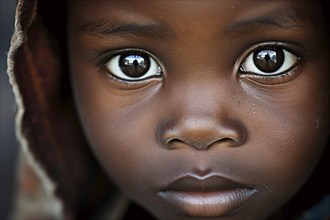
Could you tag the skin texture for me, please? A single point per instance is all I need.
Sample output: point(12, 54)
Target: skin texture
point(203, 116)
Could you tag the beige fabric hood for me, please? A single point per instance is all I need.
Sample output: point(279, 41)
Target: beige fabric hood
point(47, 128)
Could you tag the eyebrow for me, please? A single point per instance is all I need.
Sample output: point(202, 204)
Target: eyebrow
point(287, 18)
point(116, 27)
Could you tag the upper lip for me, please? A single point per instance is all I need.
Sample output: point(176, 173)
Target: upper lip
point(208, 183)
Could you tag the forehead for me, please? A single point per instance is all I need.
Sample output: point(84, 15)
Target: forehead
point(230, 10)
point(164, 18)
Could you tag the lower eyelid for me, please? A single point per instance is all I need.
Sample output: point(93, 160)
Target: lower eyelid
point(272, 80)
point(124, 84)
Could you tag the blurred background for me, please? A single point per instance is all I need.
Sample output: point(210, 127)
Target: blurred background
point(8, 145)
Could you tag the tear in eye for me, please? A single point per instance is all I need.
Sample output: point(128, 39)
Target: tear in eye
point(133, 66)
point(269, 61)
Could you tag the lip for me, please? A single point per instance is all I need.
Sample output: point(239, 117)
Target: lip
point(207, 196)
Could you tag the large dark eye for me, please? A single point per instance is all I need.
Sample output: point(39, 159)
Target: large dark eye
point(133, 66)
point(269, 61)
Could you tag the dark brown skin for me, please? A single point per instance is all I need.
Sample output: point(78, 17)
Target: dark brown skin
point(206, 113)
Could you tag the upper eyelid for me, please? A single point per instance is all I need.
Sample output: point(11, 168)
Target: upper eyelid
point(294, 48)
point(103, 58)
point(291, 47)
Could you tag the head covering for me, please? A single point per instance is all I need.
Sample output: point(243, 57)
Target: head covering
point(47, 127)
point(73, 185)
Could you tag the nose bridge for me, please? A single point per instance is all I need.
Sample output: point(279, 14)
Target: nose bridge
point(200, 119)
point(202, 95)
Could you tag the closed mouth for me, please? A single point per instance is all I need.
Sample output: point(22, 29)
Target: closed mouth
point(207, 197)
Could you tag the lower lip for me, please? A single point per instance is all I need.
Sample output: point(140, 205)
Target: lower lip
point(209, 204)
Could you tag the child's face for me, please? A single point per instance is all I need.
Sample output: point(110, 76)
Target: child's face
point(202, 108)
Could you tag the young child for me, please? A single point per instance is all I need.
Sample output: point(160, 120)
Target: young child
point(175, 110)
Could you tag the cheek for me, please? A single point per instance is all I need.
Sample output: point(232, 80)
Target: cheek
point(120, 130)
point(293, 149)
point(126, 145)
point(288, 134)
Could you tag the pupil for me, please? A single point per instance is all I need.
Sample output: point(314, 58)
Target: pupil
point(267, 57)
point(268, 60)
point(134, 64)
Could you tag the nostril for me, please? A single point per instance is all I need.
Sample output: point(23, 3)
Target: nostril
point(224, 140)
point(181, 142)
point(227, 142)
point(200, 134)
point(174, 143)
point(204, 144)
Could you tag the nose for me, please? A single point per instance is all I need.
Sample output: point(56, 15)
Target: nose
point(201, 133)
